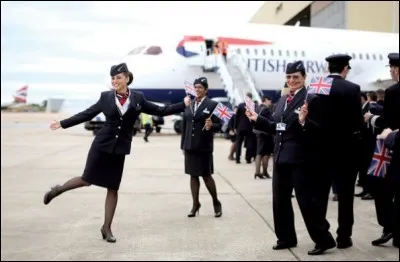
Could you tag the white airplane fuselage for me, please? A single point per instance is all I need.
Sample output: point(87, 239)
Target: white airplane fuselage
point(160, 69)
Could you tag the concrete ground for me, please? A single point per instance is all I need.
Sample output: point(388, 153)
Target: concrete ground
point(151, 220)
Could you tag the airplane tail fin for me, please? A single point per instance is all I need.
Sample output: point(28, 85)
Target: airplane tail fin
point(21, 95)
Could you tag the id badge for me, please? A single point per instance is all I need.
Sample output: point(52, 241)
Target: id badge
point(281, 126)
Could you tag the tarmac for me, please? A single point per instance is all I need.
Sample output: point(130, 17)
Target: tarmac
point(151, 220)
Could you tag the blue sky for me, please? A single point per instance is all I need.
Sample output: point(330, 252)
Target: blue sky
point(65, 49)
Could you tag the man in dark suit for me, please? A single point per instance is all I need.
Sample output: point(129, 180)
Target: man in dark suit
point(392, 142)
point(380, 96)
point(389, 119)
point(368, 137)
point(341, 124)
point(244, 132)
point(296, 154)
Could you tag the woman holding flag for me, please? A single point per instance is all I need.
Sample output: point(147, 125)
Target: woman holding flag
point(295, 123)
point(199, 125)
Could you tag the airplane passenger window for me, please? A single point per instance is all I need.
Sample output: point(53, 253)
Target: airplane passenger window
point(272, 52)
point(255, 51)
point(380, 57)
point(361, 56)
point(239, 51)
point(287, 53)
point(373, 56)
point(280, 52)
point(153, 50)
point(367, 56)
point(264, 52)
point(295, 53)
point(354, 56)
point(303, 54)
point(137, 50)
point(247, 51)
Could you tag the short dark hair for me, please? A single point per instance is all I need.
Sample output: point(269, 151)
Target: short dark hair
point(373, 96)
point(250, 95)
point(380, 92)
point(364, 95)
point(265, 97)
point(334, 68)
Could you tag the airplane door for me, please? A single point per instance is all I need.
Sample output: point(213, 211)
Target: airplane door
point(210, 59)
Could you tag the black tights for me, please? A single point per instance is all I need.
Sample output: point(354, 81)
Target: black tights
point(261, 160)
point(195, 188)
point(110, 204)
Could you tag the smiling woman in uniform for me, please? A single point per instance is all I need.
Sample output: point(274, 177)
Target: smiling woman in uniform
point(106, 157)
point(199, 126)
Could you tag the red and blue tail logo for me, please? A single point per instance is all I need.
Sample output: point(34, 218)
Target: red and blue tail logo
point(180, 49)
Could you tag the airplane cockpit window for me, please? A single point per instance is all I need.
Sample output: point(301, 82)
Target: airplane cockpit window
point(153, 50)
point(137, 50)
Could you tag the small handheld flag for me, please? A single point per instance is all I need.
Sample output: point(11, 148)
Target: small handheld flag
point(380, 160)
point(320, 85)
point(250, 105)
point(189, 89)
point(223, 112)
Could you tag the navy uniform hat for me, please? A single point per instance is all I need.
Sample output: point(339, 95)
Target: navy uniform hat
point(394, 59)
point(339, 59)
point(121, 68)
point(201, 80)
point(296, 66)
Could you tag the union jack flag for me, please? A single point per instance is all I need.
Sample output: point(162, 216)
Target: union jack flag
point(223, 112)
point(380, 160)
point(320, 85)
point(250, 105)
point(189, 89)
point(21, 95)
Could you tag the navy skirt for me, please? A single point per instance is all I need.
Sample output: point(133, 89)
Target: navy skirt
point(199, 164)
point(265, 145)
point(104, 169)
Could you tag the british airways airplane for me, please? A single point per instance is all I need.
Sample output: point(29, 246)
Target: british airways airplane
point(161, 68)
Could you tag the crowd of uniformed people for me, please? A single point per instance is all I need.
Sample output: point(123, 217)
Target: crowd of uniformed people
point(319, 142)
point(316, 141)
